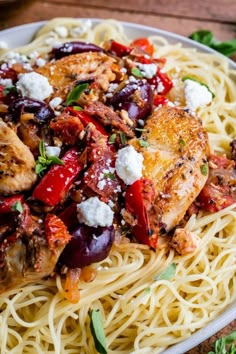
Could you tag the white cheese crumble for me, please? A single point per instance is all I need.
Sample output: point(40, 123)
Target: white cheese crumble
point(196, 95)
point(34, 86)
point(55, 102)
point(52, 150)
point(129, 164)
point(147, 70)
point(61, 31)
point(40, 62)
point(3, 45)
point(93, 212)
point(6, 82)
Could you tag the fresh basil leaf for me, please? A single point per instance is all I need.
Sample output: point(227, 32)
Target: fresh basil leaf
point(96, 327)
point(45, 161)
point(39, 169)
point(123, 138)
point(17, 206)
point(143, 143)
point(110, 175)
point(136, 72)
point(199, 82)
point(202, 36)
point(75, 94)
point(8, 89)
point(182, 142)
point(42, 150)
point(206, 37)
point(167, 273)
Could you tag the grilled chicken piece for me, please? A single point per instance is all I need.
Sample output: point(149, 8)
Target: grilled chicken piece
point(17, 163)
point(176, 161)
point(64, 73)
point(184, 241)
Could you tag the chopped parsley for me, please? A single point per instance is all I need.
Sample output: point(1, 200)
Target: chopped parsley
point(143, 143)
point(110, 175)
point(17, 206)
point(182, 142)
point(123, 138)
point(204, 169)
point(167, 274)
point(136, 72)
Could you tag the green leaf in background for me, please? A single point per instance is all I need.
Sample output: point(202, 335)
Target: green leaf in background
point(167, 274)
point(96, 327)
point(225, 345)
point(206, 37)
point(75, 94)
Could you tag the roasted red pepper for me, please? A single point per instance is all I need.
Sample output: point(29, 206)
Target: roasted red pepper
point(119, 49)
point(85, 119)
point(138, 199)
point(162, 82)
point(144, 44)
point(7, 204)
point(57, 181)
point(56, 232)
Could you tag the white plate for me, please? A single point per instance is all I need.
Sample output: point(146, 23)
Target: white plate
point(21, 35)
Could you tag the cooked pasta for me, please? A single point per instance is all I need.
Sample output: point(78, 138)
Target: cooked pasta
point(141, 313)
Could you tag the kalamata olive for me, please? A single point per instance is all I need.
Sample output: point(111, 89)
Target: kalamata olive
point(88, 245)
point(42, 111)
point(138, 107)
point(74, 47)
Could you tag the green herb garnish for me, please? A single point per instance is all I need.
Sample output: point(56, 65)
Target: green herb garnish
point(45, 161)
point(96, 327)
point(110, 175)
point(136, 72)
point(182, 142)
point(77, 108)
point(17, 206)
point(225, 345)
point(147, 290)
point(143, 143)
point(112, 139)
point(206, 37)
point(167, 273)
point(123, 138)
point(199, 82)
point(8, 89)
point(204, 169)
point(140, 129)
point(75, 94)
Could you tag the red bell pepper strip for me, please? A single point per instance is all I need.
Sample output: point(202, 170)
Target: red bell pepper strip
point(85, 119)
point(6, 204)
point(161, 78)
point(136, 202)
point(120, 49)
point(144, 44)
point(55, 184)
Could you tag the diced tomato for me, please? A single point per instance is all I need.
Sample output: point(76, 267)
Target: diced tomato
point(221, 161)
point(144, 44)
point(160, 100)
point(67, 128)
point(56, 232)
point(162, 82)
point(119, 49)
point(138, 201)
point(214, 198)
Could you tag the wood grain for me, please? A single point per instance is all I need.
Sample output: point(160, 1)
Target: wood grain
point(41, 10)
point(197, 9)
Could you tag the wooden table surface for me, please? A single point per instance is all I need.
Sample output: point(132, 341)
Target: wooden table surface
point(182, 17)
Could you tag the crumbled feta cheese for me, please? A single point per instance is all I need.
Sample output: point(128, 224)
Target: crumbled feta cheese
point(147, 70)
point(52, 151)
point(129, 164)
point(3, 45)
point(93, 212)
point(62, 31)
point(101, 184)
point(196, 95)
point(6, 82)
point(34, 85)
point(40, 62)
point(55, 102)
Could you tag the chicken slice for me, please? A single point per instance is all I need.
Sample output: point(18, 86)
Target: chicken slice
point(62, 74)
point(184, 241)
point(176, 161)
point(17, 163)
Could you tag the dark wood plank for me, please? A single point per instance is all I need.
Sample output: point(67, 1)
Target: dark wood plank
point(38, 10)
point(217, 10)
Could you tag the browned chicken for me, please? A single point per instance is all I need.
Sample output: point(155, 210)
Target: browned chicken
point(184, 241)
point(17, 163)
point(176, 161)
point(63, 73)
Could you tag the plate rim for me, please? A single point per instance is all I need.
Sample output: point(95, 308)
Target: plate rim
point(229, 313)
